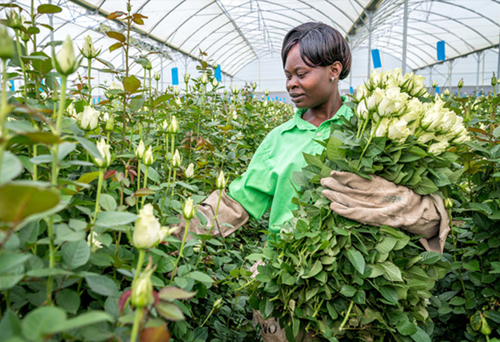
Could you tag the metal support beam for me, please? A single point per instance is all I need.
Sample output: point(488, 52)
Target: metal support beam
point(498, 63)
point(450, 67)
point(405, 35)
point(477, 73)
point(370, 16)
point(162, 77)
point(430, 75)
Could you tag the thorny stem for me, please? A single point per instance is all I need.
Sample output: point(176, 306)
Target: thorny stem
point(140, 261)
point(137, 323)
point(23, 67)
point(145, 185)
point(174, 271)
point(88, 80)
point(96, 210)
point(139, 174)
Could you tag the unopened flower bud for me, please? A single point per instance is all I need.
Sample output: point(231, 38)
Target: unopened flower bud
point(215, 83)
point(446, 92)
point(494, 80)
point(460, 83)
point(14, 19)
point(139, 151)
point(65, 60)
point(6, 44)
point(218, 303)
point(254, 85)
point(174, 125)
point(266, 92)
point(434, 84)
point(204, 79)
point(188, 211)
point(88, 50)
point(448, 203)
point(190, 171)
point(176, 90)
point(157, 76)
point(148, 157)
point(176, 160)
point(148, 65)
point(110, 124)
point(88, 120)
point(142, 289)
point(104, 151)
point(186, 77)
point(235, 90)
point(221, 181)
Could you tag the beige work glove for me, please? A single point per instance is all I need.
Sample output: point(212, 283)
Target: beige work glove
point(230, 216)
point(379, 202)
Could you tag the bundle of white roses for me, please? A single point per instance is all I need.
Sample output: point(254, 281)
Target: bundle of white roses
point(400, 133)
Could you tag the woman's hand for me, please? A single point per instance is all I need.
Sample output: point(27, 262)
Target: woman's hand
point(378, 202)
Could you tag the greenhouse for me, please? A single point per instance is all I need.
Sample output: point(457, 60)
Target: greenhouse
point(249, 170)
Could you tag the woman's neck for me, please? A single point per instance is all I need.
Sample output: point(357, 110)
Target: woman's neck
point(320, 114)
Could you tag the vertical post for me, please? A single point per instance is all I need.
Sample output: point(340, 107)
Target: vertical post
point(161, 74)
point(430, 74)
point(482, 71)
point(405, 35)
point(450, 69)
point(260, 77)
point(477, 74)
point(369, 15)
point(51, 23)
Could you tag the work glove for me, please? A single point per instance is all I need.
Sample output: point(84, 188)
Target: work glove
point(230, 216)
point(378, 202)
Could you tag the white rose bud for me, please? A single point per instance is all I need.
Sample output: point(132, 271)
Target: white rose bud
point(177, 160)
point(235, 89)
point(362, 110)
point(176, 90)
point(65, 60)
point(157, 76)
point(148, 231)
point(398, 131)
point(142, 289)
point(139, 151)
point(88, 119)
point(266, 92)
point(221, 181)
point(110, 124)
point(204, 79)
point(446, 92)
point(88, 50)
point(188, 210)
point(434, 84)
point(92, 241)
point(148, 158)
point(215, 83)
point(165, 125)
point(105, 153)
point(426, 137)
point(190, 171)
point(6, 44)
point(254, 85)
point(186, 77)
point(174, 125)
point(382, 127)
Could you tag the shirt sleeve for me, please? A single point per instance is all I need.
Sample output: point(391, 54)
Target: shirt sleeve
point(254, 190)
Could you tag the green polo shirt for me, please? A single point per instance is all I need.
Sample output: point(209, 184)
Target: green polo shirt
point(267, 180)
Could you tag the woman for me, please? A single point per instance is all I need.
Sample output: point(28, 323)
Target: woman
point(315, 57)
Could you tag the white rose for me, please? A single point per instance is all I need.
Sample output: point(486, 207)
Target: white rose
point(374, 99)
point(382, 128)
point(361, 92)
point(386, 106)
point(425, 137)
point(375, 78)
point(93, 242)
point(398, 130)
point(177, 160)
point(190, 171)
point(148, 158)
point(414, 110)
point(139, 151)
point(88, 119)
point(439, 147)
point(189, 210)
point(221, 181)
point(105, 153)
point(362, 110)
point(148, 231)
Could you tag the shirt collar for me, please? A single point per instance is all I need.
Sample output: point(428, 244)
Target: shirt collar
point(302, 124)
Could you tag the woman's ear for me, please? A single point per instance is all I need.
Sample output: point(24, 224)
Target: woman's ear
point(336, 69)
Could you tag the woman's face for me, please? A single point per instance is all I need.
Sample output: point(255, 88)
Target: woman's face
point(308, 87)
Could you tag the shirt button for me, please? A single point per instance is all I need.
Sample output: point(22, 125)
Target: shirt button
point(318, 134)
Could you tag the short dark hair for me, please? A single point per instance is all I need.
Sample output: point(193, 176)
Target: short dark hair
point(320, 45)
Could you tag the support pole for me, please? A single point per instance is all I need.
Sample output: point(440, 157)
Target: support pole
point(498, 63)
point(450, 69)
point(161, 75)
point(369, 15)
point(430, 74)
point(477, 74)
point(405, 35)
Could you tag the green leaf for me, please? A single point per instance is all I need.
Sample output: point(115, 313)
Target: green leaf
point(312, 160)
point(41, 321)
point(116, 35)
point(357, 260)
point(18, 201)
point(9, 281)
point(89, 146)
point(172, 292)
point(406, 328)
point(75, 254)
point(11, 167)
point(108, 202)
point(69, 300)
point(472, 265)
point(199, 276)
point(334, 150)
point(392, 272)
point(85, 319)
point(347, 290)
point(102, 285)
point(136, 103)
point(420, 336)
point(131, 84)
point(161, 99)
point(48, 8)
point(386, 245)
point(426, 187)
point(170, 311)
point(114, 218)
point(10, 261)
point(389, 293)
point(10, 325)
point(64, 149)
point(315, 269)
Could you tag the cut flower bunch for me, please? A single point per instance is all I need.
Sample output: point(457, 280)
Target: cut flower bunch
point(400, 133)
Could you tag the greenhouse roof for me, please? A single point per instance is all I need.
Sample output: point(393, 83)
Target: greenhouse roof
point(233, 33)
